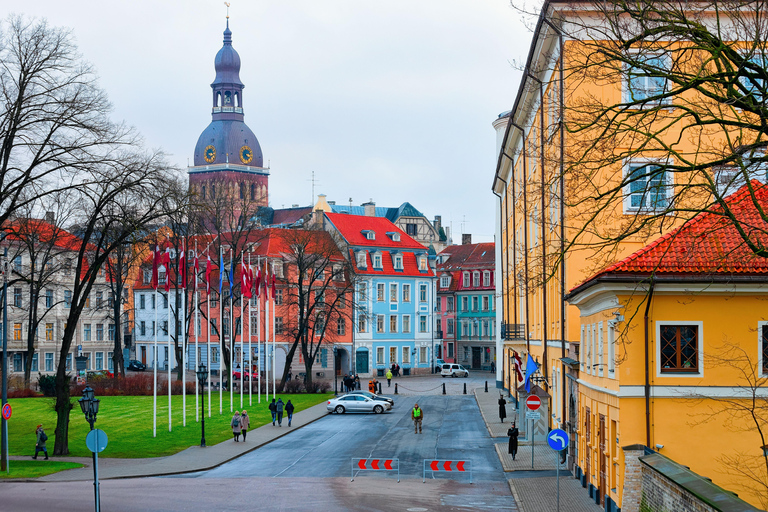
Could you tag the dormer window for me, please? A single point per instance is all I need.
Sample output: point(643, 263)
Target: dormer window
point(377, 260)
point(369, 235)
point(398, 261)
point(476, 279)
point(394, 236)
point(486, 278)
point(445, 281)
point(422, 263)
point(465, 279)
point(361, 262)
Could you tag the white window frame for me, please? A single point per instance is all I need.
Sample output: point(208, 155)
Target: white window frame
point(465, 279)
point(393, 297)
point(445, 281)
point(600, 350)
point(626, 94)
point(377, 260)
point(699, 348)
point(635, 163)
point(380, 325)
point(406, 355)
point(361, 259)
point(611, 350)
point(379, 355)
point(381, 291)
point(406, 324)
point(391, 317)
point(760, 326)
point(406, 292)
point(486, 278)
point(398, 262)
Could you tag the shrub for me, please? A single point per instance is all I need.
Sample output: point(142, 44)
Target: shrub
point(46, 384)
point(294, 386)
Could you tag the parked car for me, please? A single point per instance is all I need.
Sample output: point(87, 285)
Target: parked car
point(454, 370)
point(439, 365)
point(357, 403)
point(373, 396)
point(136, 366)
point(236, 375)
point(100, 374)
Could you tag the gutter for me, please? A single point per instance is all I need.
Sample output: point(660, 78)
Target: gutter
point(647, 378)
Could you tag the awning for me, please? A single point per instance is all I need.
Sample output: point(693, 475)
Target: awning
point(572, 363)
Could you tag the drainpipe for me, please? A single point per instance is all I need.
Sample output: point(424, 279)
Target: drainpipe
point(647, 379)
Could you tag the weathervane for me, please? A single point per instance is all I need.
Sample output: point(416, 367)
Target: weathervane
point(227, 4)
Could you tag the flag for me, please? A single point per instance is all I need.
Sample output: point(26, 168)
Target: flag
point(155, 264)
point(518, 367)
point(273, 286)
point(257, 285)
point(208, 275)
point(231, 272)
point(167, 264)
point(183, 268)
point(265, 280)
point(250, 279)
point(530, 368)
point(221, 270)
point(244, 288)
point(196, 268)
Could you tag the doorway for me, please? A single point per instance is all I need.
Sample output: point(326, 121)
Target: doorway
point(477, 354)
point(361, 361)
point(143, 354)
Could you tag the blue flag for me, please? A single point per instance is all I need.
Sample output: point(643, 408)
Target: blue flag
point(530, 368)
point(221, 271)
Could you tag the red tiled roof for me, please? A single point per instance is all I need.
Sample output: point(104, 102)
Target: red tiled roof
point(707, 244)
point(410, 265)
point(351, 228)
point(468, 256)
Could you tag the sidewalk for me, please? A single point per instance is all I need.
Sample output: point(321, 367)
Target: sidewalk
point(535, 490)
point(187, 461)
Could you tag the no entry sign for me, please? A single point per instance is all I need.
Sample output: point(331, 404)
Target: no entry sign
point(533, 402)
point(7, 411)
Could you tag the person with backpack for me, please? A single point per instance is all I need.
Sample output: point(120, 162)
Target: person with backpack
point(279, 409)
point(273, 411)
point(289, 411)
point(235, 424)
point(40, 444)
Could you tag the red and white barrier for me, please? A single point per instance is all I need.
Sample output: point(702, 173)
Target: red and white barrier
point(375, 465)
point(460, 466)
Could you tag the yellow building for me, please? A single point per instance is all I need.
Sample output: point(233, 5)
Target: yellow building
point(674, 349)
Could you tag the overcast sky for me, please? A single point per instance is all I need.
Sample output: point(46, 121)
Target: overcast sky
point(385, 100)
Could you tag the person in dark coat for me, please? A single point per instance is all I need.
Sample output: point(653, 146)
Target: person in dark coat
point(279, 409)
point(273, 410)
point(502, 408)
point(289, 411)
point(513, 433)
point(40, 438)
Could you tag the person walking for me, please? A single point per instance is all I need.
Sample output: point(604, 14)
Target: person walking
point(279, 409)
point(417, 415)
point(289, 411)
point(502, 408)
point(273, 410)
point(245, 423)
point(235, 424)
point(389, 378)
point(513, 433)
point(41, 438)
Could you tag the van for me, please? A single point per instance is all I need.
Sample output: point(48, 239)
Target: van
point(454, 370)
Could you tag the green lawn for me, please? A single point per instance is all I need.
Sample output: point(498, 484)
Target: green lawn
point(127, 421)
point(36, 468)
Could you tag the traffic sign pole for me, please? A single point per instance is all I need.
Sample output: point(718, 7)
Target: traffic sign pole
point(557, 440)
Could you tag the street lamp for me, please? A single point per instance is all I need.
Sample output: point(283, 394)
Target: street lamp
point(202, 373)
point(335, 376)
point(90, 407)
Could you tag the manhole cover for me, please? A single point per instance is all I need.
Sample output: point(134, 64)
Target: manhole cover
point(416, 509)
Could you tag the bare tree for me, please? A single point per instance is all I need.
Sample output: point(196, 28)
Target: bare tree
point(316, 293)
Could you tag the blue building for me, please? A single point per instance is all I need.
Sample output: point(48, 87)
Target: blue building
point(394, 298)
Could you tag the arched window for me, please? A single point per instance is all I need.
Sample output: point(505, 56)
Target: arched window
point(237, 99)
point(242, 191)
point(213, 191)
point(253, 191)
point(218, 99)
point(227, 98)
point(202, 191)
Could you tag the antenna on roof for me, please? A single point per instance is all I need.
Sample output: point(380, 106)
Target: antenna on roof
point(350, 202)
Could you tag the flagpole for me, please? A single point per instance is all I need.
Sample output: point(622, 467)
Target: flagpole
point(250, 351)
point(208, 322)
point(242, 326)
point(184, 336)
point(221, 331)
point(274, 353)
point(155, 263)
point(231, 337)
point(266, 327)
point(197, 347)
point(258, 323)
point(168, 332)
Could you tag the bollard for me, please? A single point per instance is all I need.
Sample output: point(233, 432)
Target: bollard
point(465, 388)
point(395, 387)
point(379, 387)
point(443, 387)
point(486, 386)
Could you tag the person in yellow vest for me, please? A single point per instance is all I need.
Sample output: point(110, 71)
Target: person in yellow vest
point(389, 378)
point(417, 415)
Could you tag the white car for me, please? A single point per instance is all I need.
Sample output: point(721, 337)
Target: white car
point(357, 403)
point(454, 370)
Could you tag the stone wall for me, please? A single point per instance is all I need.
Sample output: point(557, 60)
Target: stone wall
point(631, 493)
point(662, 495)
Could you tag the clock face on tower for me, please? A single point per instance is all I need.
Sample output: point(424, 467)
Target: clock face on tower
point(209, 154)
point(246, 154)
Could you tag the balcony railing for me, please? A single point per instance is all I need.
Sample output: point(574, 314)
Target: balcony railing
point(512, 331)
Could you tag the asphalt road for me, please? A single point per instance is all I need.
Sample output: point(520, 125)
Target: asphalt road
point(453, 430)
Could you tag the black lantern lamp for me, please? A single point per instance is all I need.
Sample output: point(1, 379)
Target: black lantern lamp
point(202, 373)
point(89, 405)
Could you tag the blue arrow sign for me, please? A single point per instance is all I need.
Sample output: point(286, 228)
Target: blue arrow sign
point(557, 439)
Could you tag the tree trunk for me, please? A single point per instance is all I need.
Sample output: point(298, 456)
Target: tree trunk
point(63, 406)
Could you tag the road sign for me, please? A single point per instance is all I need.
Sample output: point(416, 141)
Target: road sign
point(96, 440)
point(7, 411)
point(533, 402)
point(533, 415)
point(462, 466)
point(557, 439)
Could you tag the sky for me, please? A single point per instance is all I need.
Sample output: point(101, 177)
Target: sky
point(385, 101)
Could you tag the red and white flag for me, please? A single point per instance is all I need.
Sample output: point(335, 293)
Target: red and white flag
point(196, 268)
point(183, 267)
point(257, 284)
point(167, 264)
point(273, 285)
point(208, 274)
point(155, 263)
point(518, 367)
point(265, 280)
point(244, 288)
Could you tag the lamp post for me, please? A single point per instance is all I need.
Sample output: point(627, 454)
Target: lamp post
point(335, 377)
point(90, 407)
point(202, 373)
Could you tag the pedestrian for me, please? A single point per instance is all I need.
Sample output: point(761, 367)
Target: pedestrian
point(389, 378)
point(279, 409)
point(502, 408)
point(245, 423)
point(290, 376)
point(513, 433)
point(289, 411)
point(235, 424)
point(356, 383)
point(41, 438)
point(397, 370)
point(273, 410)
point(371, 386)
point(417, 415)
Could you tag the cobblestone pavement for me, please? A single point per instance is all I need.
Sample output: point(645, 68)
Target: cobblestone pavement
point(540, 494)
point(543, 458)
point(433, 384)
point(489, 408)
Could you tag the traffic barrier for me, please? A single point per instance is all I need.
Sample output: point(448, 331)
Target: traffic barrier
point(443, 387)
point(395, 387)
point(465, 388)
point(375, 465)
point(486, 386)
point(460, 466)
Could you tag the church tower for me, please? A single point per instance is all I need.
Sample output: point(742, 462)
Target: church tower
point(228, 175)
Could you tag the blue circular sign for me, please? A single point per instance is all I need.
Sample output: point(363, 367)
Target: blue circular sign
point(557, 439)
point(96, 440)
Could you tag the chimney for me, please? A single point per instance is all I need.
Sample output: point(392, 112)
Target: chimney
point(466, 238)
point(438, 222)
point(331, 203)
point(370, 209)
point(50, 218)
